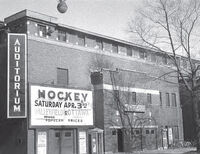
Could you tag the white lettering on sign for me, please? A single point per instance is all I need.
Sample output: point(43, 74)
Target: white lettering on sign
point(16, 76)
point(17, 106)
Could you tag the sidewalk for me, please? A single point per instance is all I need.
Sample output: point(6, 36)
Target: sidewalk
point(168, 151)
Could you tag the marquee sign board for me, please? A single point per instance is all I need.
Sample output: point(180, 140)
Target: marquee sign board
point(16, 76)
point(50, 106)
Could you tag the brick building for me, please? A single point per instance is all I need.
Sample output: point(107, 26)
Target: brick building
point(61, 58)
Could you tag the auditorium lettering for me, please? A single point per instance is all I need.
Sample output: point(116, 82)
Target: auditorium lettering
point(16, 76)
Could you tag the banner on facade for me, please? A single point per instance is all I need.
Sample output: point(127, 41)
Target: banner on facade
point(51, 106)
point(16, 76)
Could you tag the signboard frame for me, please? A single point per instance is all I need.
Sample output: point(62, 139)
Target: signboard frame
point(42, 125)
point(9, 35)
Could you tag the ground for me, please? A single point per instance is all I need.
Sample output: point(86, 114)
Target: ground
point(169, 151)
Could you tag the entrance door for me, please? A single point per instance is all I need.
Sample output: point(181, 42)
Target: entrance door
point(149, 138)
point(120, 140)
point(61, 141)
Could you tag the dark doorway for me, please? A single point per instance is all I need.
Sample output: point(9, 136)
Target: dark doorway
point(90, 143)
point(120, 140)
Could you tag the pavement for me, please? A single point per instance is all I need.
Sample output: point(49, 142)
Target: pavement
point(168, 151)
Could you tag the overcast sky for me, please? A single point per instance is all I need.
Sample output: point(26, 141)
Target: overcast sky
point(107, 17)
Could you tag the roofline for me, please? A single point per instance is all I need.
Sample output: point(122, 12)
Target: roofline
point(53, 20)
point(110, 38)
point(32, 14)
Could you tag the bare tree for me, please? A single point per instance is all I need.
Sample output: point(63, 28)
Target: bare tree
point(172, 27)
point(124, 113)
point(129, 119)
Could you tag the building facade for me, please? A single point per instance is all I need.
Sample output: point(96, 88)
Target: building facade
point(134, 103)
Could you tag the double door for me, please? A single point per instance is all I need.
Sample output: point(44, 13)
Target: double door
point(62, 141)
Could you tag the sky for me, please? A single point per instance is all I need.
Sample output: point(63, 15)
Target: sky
point(106, 17)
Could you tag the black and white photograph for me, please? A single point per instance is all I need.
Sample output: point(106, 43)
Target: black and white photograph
point(100, 77)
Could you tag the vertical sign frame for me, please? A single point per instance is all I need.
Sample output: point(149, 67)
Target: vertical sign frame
point(16, 75)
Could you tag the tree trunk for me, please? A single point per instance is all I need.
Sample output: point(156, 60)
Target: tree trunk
point(195, 102)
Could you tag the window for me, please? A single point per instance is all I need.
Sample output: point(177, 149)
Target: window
point(72, 38)
point(2, 37)
point(184, 63)
point(114, 132)
point(114, 48)
point(107, 46)
point(143, 54)
point(134, 98)
point(178, 61)
point(61, 35)
point(57, 134)
point(147, 131)
point(167, 99)
point(153, 57)
point(90, 42)
point(68, 134)
point(116, 95)
point(81, 40)
point(122, 49)
point(152, 131)
point(62, 76)
point(149, 101)
point(42, 30)
point(129, 51)
point(160, 98)
point(135, 53)
point(99, 44)
point(134, 132)
point(174, 99)
point(164, 59)
point(170, 61)
point(137, 131)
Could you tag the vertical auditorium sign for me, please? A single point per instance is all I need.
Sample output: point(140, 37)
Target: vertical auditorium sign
point(16, 82)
